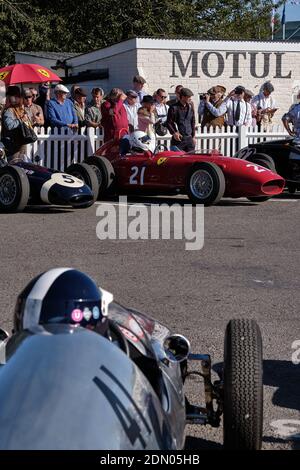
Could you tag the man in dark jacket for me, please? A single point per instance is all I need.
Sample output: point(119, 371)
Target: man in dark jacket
point(181, 122)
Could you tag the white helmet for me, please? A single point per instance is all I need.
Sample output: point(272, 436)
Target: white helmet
point(141, 140)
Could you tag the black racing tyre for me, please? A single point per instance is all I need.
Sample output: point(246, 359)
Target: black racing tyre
point(205, 183)
point(85, 173)
point(243, 386)
point(102, 174)
point(14, 189)
point(262, 160)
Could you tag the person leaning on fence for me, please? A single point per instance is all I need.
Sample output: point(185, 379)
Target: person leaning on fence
point(93, 114)
point(12, 116)
point(181, 122)
point(215, 97)
point(80, 95)
point(60, 110)
point(34, 111)
point(114, 116)
point(293, 117)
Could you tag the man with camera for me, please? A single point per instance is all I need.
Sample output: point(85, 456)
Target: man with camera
point(215, 96)
point(238, 112)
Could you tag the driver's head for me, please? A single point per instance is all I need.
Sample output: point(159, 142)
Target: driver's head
point(141, 141)
point(62, 296)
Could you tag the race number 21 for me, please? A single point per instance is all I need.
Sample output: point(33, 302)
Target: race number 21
point(137, 175)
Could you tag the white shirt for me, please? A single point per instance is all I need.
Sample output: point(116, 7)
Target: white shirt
point(229, 106)
point(162, 111)
point(132, 115)
point(264, 102)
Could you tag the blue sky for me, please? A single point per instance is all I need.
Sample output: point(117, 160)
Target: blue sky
point(292, 12)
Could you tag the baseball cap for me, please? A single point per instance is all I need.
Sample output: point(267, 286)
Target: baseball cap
point(61, 88)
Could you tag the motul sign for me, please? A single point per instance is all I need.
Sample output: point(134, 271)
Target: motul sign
point(212, 64)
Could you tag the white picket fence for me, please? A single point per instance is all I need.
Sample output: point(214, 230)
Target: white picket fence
point(59, 148)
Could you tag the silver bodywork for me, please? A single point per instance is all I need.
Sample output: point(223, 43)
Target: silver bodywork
point(69, 388)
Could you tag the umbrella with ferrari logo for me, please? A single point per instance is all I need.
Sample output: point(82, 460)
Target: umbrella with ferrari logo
point(27, 73)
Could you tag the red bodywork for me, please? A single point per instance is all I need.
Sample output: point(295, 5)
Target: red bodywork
point(167, 172)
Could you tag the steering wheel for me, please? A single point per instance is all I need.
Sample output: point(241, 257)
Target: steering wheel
point(158, 147)
point(117, 335)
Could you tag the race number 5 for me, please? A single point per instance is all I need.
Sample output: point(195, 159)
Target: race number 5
point(135, 175)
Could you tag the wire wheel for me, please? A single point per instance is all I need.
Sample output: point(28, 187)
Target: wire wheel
point(8, 189)
point(201, 184)
point(205, 183)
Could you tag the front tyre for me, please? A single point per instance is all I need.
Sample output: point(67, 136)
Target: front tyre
point(85, 173)
point(14, 189)
point(205, 183)
point(243, 386)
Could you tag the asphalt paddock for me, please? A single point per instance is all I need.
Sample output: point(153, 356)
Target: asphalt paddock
point(248, 267)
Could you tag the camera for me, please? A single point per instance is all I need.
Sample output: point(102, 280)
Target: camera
point(202, 96)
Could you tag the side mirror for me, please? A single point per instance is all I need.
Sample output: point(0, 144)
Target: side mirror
point(177, 348)
point(3, 335)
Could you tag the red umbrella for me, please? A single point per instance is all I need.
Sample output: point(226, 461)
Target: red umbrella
point(27, 73)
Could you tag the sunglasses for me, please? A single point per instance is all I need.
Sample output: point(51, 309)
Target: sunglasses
point(163, 97)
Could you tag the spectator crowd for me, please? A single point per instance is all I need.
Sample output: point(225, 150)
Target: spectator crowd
point(121, 113)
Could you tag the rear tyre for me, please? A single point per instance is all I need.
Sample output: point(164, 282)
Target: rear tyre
point(103, 175)
point(260, 159)
point(85, 173)
point(205, 183)
point(243, 386)
point(14, 189)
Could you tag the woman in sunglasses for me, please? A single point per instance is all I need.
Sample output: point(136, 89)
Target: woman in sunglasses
point(33, 111)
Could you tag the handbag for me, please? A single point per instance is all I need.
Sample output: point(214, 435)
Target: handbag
point(160, 129)
point(26, 134)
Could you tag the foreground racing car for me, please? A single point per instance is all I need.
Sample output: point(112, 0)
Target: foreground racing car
point(88, 373)
point(23, 184)
point(205, 178)
point(282, 156)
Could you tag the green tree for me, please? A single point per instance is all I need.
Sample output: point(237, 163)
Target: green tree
point(84, 25)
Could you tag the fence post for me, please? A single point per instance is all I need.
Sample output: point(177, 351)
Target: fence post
point(242, 139)
point(90, 140)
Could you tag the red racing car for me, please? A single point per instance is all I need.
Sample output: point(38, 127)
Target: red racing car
point(204, 177)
